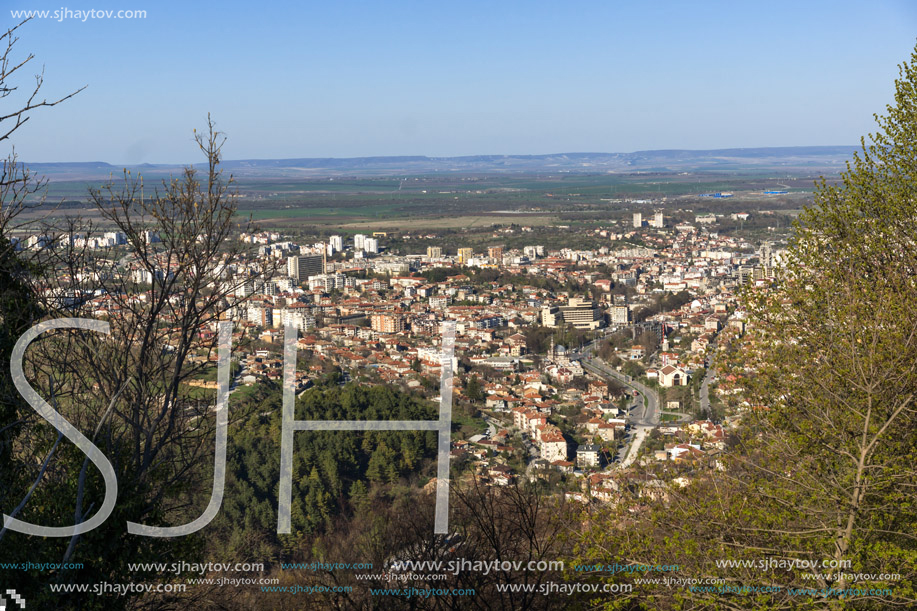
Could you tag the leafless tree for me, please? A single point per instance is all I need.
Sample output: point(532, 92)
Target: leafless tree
point(163, 266)
point(181, 271)
point(17, 183)
point(519, 523)
point(20, 189)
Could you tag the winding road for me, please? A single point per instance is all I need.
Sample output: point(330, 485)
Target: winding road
point(650, 412)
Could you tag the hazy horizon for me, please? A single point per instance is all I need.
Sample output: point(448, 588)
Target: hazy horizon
point(435, 157)
point(319, 80)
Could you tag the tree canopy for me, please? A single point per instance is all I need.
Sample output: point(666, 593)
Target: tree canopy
point(823, 468)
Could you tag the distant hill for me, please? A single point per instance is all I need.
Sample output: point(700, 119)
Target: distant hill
point(824, 158)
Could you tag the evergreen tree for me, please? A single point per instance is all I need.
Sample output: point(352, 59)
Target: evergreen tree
point(473, 390)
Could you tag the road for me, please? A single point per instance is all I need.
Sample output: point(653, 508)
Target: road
point(705, 389)
point(705, 395)
point(649, 411)
point(234, 382)
point(491, 427)
point(491, 431)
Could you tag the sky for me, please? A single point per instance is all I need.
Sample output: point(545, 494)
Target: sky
point(441, 78)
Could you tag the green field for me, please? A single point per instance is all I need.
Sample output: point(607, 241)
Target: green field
point(481, 201)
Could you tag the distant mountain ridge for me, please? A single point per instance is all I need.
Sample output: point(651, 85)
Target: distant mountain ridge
point(669, 160)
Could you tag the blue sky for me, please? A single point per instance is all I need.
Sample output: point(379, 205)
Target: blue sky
point(347, 78)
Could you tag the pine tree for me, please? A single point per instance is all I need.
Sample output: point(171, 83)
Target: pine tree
point(473, 390)
point(359, 495)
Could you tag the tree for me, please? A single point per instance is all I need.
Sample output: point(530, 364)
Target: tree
point(473, 390)
point(19, 188)
point(649, 341)
point(180, 273)
point(823, 468)
point(512, 526)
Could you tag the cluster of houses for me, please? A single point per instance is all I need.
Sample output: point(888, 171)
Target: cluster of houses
point(381, 316)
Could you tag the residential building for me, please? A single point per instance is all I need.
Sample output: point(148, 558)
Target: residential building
point(299, 318)
point(553, 444)
point(387, 323)
point(620, 314)
point(588, 457)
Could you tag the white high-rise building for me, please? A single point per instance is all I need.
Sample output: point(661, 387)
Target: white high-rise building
point(658, 220)
point(337, 243)
point(260, 315)
point(39, 241)
point(358, 242)
point(326, 282)
point(298, 318)
point(533, 252)
point(620, 314)
point(115, 238)
point(371, 245)
point(638, 220)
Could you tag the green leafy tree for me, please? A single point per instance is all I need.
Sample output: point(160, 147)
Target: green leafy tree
point(824, 465)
